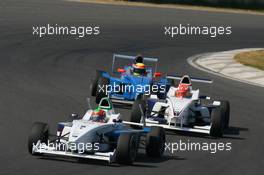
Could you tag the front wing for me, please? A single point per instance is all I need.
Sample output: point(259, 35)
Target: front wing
point(196, 129)
point(106, 156)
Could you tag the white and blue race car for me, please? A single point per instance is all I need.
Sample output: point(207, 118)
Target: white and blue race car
point(100, 134)
point(182, 110)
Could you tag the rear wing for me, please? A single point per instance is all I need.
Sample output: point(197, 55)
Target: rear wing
point(193, 79)
point(132, 58)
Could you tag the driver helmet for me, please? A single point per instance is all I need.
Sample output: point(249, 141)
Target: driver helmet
point(139, 69)
point(99, 116)
point(183, 90)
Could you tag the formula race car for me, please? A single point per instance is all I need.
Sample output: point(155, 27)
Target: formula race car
point(99, 134)
point(183, 110)
point(136, 77)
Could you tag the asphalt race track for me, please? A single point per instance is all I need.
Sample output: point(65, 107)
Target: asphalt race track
point(46, 79)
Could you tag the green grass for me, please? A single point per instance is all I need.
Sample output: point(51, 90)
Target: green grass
point(253, 59)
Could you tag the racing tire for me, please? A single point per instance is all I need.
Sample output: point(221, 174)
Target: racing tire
point(161, 95)
point(155, 142)
point(39, 131)
point(126, 150)
point(225, 108)
point(217, 122)
point(135, 115)
point(95, 83)
point(102, 82)
point(139, 97)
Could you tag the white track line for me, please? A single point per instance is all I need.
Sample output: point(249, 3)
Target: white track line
point(224, 65)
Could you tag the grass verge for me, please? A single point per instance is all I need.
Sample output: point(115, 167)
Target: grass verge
point(174, 6)
point(252, 58)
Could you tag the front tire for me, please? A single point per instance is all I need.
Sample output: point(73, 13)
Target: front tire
point(225, 108)
point(135, 115)
point(39, 131)
point(127, 147)
point(155, 142)
point(217, 122)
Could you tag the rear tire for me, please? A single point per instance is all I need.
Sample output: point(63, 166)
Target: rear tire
point(225, 108)
point(161, 96)
point(127, 147)
point(135, 115)
point(39, 131)
point(155, 142)
point(102, 82)
point(217, 122)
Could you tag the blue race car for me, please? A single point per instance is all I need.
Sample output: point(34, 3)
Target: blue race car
point(133, 76)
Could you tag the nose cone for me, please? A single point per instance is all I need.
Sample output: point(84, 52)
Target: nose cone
point(83, 131)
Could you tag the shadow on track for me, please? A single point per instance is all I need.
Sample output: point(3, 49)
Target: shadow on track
point(141, 161)
point(144, 158)
point(229, 133)
point(232, 130)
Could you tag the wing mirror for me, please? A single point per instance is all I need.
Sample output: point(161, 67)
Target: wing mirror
point(121, 70)
point(117, 120)
point(157, 74)
point(74, 116)
point(204, 97)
